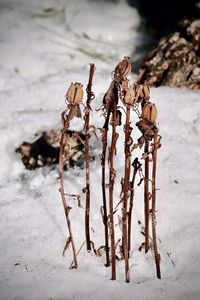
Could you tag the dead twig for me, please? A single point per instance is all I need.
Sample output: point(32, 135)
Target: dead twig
point(90, 97)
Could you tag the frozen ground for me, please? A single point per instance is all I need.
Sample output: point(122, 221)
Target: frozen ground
point(44, 46)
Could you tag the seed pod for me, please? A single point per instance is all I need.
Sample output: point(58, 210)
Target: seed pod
point(146, 91)
point(124, 67)
point(138, 92)
point(74, 94)
point(149, 112)
point(130, 96)
point(143, 126)
point(123, 87)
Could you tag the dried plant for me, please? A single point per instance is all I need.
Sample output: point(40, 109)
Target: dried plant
point(150, 132)
point(128, 97)
point(104, 137)
point(136, 166)
point(90, 97)
point(112, 175)
point(149, 113)
point(156, 145)
point(135, 97)
point(74, 96)
point(110, 109)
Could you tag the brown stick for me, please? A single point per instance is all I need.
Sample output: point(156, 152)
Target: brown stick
point(146, 196)
point(112, 175)
point(90, 96)
point(62, 191)
point(127, 166)
point(157, 255)
point(103, 183)
point(136, 166)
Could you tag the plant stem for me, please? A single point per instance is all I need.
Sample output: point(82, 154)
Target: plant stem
point(90, 96)
point(126, 192)
point(112, 175)
point(157, 255)
point(136, 166)
point(103, 161)
point(146, 195)
point(62, 191)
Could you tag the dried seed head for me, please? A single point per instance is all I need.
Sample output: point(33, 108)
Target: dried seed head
point(139, 92)
point(146, 91)
point(130, 96)
point(145, 126)
point(123, 87)
point(149, 112)
point(74, 94)
point(124, 67)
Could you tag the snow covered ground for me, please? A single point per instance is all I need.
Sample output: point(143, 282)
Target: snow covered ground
point(44, 46)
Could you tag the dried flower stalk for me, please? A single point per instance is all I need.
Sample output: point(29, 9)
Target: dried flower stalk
point(90, 97)
point(146, 194)
point(112, 175)
point(74, 97)
point(149, 113)
point(154, 154)
point(127, 166)
point(136, 166)
point(103, 183)
point(62, 191)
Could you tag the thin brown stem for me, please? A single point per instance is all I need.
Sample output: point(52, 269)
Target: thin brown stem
point(157, 255)
point(112, 176)
point(127, 166)
point(103, 161)
point(62, 191)
point(90, 96)
point(146, 195)
point(136, 166)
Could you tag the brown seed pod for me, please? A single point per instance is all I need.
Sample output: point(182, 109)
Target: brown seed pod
point(149, 112)
point(124, 67)
point(138, 92)
point(123, 87)
point(74, 94)
point(130, 96)
point(146, 91)
point(145, 126)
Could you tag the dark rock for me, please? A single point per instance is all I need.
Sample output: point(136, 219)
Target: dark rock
point(45, 150)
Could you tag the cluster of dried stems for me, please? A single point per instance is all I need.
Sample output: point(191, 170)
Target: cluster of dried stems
point(135, 98)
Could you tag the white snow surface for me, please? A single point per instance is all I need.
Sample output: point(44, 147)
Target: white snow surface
point(45, 45)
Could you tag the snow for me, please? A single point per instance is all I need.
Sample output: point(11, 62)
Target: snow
point(44, 47)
